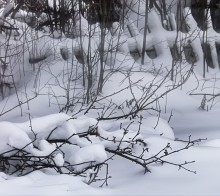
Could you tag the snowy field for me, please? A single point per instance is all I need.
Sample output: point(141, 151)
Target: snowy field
point(46, 119)
point(128, 178)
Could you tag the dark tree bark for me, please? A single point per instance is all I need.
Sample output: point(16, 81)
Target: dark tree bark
point(109, 10)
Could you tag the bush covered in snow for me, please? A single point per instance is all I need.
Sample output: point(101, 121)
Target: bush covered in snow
point(80, 146)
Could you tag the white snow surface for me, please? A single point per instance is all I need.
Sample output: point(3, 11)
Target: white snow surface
point(182, 110)
point(59, 160)
point(159, 126)
point(93, 153)
point(13, 137)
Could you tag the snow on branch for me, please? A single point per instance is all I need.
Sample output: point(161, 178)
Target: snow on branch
point(81, 147)
point(163, 40)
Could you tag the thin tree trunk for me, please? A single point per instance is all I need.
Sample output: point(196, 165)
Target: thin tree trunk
point(145, 34)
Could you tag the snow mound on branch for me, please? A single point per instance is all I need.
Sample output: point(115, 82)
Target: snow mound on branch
point(45, 148)
point(84, 123)
point(59, 160)
point(45, 129)
point(69, 150)
point(13, 137)
point(158, 126)
point(54, 126)
point(44, 123)
point(92, 153)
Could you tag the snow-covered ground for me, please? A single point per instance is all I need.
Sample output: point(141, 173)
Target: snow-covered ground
point(128, 178)
point(23, 113)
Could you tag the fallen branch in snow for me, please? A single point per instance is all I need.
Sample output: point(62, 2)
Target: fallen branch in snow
point(206, 94)
point(158, 157)
point(78, 147)
point(196, 141)
point(207, 97)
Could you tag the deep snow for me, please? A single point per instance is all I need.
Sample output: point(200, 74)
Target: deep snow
point(126, 177)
